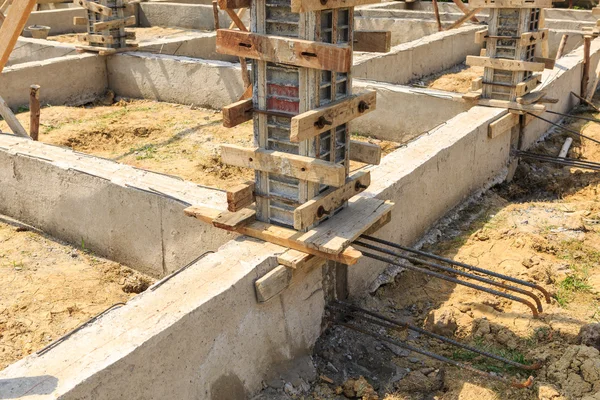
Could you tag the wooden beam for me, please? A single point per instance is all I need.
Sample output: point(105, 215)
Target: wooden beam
point(512, 105)
point(302, 53)
point(463, 19)
point(548, 62)
point(477, 84)
point(273, 283)
point(502, 125)
point(215, 8)
point(365, 152)
point(234, 4)
point(240, 15)
point(95, 7)
point(561, 46)
point(314, 122)
point(531, 97)
point(327, 202)
point(373, 41)
point(504, 64)
point(301, 167)
point(231, 221)
point(80, 21)
point(465, 9)
point(587, 41)
point(480, 36)
point(114, 24)
point(240, 196)
point(436, 11)
point(34, 111)
point(88, 37)
point(236, 20)
point(12, 27)
point(294, 259)
point(528, 85)
point(279, 235)
point(11, 120)
point(529, 38)
point(511, 3)
point(237, 113)
point(300, 6)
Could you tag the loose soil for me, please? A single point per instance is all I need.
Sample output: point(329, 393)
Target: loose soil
point(50, 288)
point(141, 34)
point(542, 227)
point(170, 138)
point(457, 79)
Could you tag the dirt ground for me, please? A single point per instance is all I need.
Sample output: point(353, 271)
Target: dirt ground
point(170, 138)
point(542, 227)
point(457, 79)
point(49, 288)
point(141, 34)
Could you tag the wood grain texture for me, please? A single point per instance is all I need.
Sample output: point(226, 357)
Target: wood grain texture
point(365, 152)
point(234, 4)
point(240, 196)
point(502, 125)
point(302, 53)
point(504, 64)
point(373, 41)
point(273, 283)
point(12, 27)
point(237, 113)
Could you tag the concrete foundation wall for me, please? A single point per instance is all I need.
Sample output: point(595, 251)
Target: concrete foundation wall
point(179, 15)
point(403, 30)
point(27, 50)
point(194, 44)
point(201, 335)
point(408, 61)
point(211, 84)
point(400, 115)
point(80, 198)
point(61, 21)
point(73, 80)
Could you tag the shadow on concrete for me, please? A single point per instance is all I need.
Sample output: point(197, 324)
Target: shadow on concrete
point(16, 388)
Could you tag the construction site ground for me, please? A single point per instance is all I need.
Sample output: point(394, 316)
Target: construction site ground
point(50, 288)
point(174, 139)
point(542, 227)
point(456, 79)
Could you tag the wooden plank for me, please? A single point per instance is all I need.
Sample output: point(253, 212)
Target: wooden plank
point(234, 4)
point(511, 3)
point(95, 7)
point(87, 37)
point(373, 41)
point(237, 113)
point(114, 24)
point(529, 38)
point(314, 122)
point(279, 235)
point(302, 53)
point(300, 6)
point(477, 84)
point(11, 120)
point(365, 152)
point(236, 20)
point(512, 105)
point(504, 64)
point(301, 167)
point(480, 36)
point(12, 27)
point(240, 196)
point(294, 259)
point(463, 19)
point(474, 95)
point(532, 97)
point(80, 21)
point(465, 9)
point(324, 204)
point(231, 221)
point(548, 62)
point(502, 125)
point(273, 283)
point(527, 86)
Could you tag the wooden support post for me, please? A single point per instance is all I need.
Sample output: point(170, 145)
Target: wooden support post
point(587, 40)
point(437, 15)
point(12, 27)
point(463, 19)
point(216, 14)
point(12, 121)
point(240, 15)
point(465, 9)
point(34, 111)
point(561, 47)
point(236, 20)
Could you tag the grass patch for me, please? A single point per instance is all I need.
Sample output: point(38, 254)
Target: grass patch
point(488, 364)
point(144, 152)
point(568, 287)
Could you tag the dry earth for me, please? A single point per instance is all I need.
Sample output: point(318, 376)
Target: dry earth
point(49, 288)
point(169, 138)
point(457, 79)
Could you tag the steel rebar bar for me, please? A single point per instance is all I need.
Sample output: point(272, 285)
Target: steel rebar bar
point(573, 116)
point(562, 161)
point(563, 128)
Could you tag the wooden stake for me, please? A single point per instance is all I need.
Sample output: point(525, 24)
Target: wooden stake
point(561, 47)
point(34, 111)
point(587, 40)
point(11, 120)
point(216, 14)
point(437, 15)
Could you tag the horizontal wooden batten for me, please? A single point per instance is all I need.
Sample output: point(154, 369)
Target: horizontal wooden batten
point(510, 3)
point(513, 105)
point(234, 4)
point(372, 41)
point(481, 36)
point(327, 202)
point(114, 24)
point(502, 125)
point(301, 53)
point(237, 113)
point(365, 152)
point(527, 86)
point(80, 21)
point(314, 122)
point(95, 7)
point(85, 37)
point(240, 196)
point(300, 167)
point(316, 5)
point(530, 38)
point(504, 64)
